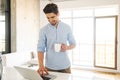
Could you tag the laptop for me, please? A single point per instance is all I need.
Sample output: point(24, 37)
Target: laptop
point(32, 74)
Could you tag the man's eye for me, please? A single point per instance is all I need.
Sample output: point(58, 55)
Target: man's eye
point(53, 17)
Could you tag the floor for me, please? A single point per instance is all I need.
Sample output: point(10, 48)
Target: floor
point(92, 75)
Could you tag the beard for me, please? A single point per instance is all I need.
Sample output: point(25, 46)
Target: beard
point(53, 23)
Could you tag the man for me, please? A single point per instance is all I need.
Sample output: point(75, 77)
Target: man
point(53, 33)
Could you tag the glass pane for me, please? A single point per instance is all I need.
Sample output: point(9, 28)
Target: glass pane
point(2, 18)
point(83, 13)
point(85, 50)
point(2, 33)
point(83, 31)
point(65, 14)
point(2, 36)
point(5, 27)
point(76, 55)
point(67, 21)
point(106, 11)
point(105, 42)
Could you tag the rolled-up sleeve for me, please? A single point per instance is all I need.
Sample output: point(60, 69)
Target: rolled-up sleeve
point(41, 46)
point(71, 38)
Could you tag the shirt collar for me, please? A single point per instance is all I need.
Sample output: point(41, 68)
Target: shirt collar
point(54, 26)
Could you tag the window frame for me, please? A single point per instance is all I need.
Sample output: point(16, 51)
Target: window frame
point(115, 46)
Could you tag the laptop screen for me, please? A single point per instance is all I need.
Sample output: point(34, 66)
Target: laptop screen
point(32, 74)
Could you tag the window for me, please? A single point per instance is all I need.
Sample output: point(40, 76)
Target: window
point(2, 33)
point(105, 41)
point(5, 26)
point(83, 32)
point(88, 33)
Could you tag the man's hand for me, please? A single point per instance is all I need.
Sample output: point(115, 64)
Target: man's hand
point(42, 71)
point(64, 47)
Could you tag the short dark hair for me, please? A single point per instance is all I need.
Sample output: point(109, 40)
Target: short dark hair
point(51, 8)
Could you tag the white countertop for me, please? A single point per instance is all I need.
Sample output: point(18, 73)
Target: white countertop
point(10, 73)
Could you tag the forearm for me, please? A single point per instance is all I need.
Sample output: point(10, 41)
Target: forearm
point(70, 47)
point(41, 70)
point(41, 58)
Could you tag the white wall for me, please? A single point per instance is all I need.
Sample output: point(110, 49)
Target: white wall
point(86, 3)
point(25, 23)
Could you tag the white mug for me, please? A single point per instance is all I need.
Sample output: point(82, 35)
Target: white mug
point(57, 47)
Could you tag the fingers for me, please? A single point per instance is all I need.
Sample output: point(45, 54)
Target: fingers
point(42, 72)
point(63, 47)
point(46, 71)
point(39, 71)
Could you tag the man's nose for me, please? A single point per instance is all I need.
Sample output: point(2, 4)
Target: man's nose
point(50, 20)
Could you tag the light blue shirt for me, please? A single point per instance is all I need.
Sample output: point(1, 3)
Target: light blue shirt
point(49, 35)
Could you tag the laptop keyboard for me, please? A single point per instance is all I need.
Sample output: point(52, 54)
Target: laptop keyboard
point(46, 78)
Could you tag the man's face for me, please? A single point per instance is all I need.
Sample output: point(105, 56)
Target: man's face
point(52, 18)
